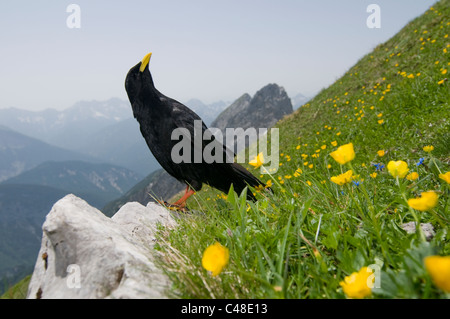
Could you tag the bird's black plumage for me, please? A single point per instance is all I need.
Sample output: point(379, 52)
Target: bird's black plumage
point(158, 116)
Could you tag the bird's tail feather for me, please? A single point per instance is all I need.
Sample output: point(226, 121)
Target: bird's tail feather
point(248, 178)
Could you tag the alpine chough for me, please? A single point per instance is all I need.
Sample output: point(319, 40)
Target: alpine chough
point(158, 116)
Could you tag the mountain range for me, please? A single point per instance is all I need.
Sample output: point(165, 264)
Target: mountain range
point(102, 131)
point(19, 153)
point(97, 183)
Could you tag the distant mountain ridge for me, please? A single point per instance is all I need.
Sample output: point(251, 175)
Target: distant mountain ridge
point(207, 112)
point(269, 105)
point(67, 128)
point(99, 183)
point(266, 107)
point(105, 130)
point(19, 153)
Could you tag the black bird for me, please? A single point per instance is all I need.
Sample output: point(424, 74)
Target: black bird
point(158, 116)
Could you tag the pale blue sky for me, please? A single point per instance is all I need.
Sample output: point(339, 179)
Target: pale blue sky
point(210, 50)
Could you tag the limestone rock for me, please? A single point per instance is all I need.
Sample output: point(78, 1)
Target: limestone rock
point(85, 254)
point(427, 229)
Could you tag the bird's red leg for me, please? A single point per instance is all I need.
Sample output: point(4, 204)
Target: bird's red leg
point(182, 201)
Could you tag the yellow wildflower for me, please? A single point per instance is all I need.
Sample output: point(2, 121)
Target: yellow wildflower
point(269, 183)
point(215, 258)
point(398, 168)
point(439, 269)
point(441, 82)
point(428, 148)
point(445, 177)
point(425, 202)
point(358, 284)
point(344, 154)
point(412, 177)
point(257, 161)
point(380, 121)
point(373, 175)
point(343, 178)
point(334, 143)
point(381, 153)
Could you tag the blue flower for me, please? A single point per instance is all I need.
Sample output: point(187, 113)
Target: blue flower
point(421, 160)
point(356, 183)
point(379, 166)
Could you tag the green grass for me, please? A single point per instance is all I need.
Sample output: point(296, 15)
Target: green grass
point(18, 291)
point(303, 240)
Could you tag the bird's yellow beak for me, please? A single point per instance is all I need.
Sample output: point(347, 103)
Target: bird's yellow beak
point(145, 62)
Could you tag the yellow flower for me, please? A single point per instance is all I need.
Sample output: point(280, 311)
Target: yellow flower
point(342, 178)
point(380, 121)
point(269, 183)
point(334, 143)
point(358, 284)
point(398, 168)
point(373, 175)
point(445, 177)
point(215, 258)
point(439, 269)
point(344, 154)
point(323, 147)
point(309, 183)
point(311, 165)
point(441, 82)
point(428, 148)
point(257, 161)
point(425, 202)
point(381, 153)
point(258, 188)
point(412, 177)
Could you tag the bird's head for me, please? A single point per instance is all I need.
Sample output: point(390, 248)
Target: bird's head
point(139, 82)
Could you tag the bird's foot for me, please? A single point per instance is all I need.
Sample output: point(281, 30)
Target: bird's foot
point(174, 207)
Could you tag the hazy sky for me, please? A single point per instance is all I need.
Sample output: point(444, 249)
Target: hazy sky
point(210, 50)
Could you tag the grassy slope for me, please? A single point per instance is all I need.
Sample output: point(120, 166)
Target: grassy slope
point(302, 241)
point(18, 291)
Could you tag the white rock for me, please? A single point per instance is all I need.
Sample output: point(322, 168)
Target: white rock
point(85, 254)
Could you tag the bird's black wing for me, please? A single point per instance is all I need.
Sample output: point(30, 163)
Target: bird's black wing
point(184, 117)
point(219, 174)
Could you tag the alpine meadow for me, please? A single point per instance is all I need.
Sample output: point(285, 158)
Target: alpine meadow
point(361, 164)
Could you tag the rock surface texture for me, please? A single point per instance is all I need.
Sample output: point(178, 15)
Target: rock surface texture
point(85, 254)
